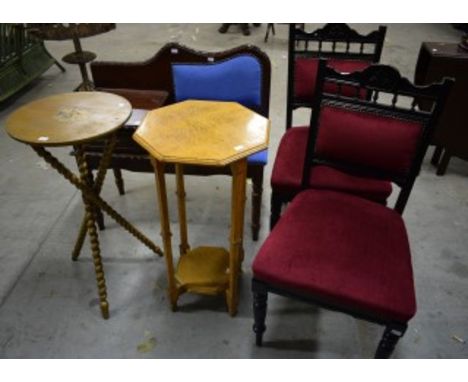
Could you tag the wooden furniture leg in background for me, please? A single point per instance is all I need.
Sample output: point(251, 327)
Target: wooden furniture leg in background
point(444, 162)
point(270, 26)
point(119, 182)
point(244, 28)
point(438, 150)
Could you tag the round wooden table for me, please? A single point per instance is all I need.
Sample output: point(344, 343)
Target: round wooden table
point(211, 134)
point(74, 119)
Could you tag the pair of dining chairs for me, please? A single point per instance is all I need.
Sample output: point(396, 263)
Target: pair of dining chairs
point(336, 247)
point(347, 51)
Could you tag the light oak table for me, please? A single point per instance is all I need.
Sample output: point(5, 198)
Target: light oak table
point(75, 119)
point(212, 134)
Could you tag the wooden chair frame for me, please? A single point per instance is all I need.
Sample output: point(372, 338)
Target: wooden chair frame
point(313, 45)
point(156, 74)
point(376, 79)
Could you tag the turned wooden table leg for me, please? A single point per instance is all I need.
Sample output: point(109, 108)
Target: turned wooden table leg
point(92, 231)
point(165, 230)
point(90, 199)
point(239, 176)
point(184, 245)
point(101, 175)
point(97, 211)
point(80, 239)
point(95, 199)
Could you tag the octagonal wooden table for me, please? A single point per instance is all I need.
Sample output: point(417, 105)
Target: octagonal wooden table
point(211, 134)
point(74, 119)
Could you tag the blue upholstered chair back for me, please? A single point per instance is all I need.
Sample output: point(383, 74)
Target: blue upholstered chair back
point(237, 79)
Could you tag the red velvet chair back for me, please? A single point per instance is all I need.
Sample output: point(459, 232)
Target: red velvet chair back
point(384, 136)
point(345, 49)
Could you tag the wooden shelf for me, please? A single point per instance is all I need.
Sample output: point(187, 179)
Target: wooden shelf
point(203, 270)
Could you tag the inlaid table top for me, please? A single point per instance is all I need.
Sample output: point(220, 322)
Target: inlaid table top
point(68, 118)
point(203, 132)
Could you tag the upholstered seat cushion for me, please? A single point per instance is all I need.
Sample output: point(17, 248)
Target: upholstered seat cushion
point(342, 250)
point(287, 172)
point(305, 76)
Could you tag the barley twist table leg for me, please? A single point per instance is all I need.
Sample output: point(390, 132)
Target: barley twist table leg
point(95, 250)
point(95, 199)
point(80, 239)
point(97, 211)
point(102, 170)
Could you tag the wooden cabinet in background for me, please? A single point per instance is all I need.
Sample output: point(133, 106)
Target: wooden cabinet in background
point(435, 61)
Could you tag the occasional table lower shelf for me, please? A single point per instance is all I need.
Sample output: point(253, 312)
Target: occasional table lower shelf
point(203, 270)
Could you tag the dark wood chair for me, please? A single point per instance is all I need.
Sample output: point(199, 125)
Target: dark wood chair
point(347, 51)
point(337, 250)
point(148, 85)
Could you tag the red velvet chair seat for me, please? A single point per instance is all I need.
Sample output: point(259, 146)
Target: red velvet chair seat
point(344, 250)
point(287, 172)
point(305, 76)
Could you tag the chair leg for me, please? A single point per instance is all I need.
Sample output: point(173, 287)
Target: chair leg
point(389, 340)
point(289, 116)
point(271, 27)
point(257, 190)
point(245, 29)
point(443, 164)
point(275, 209)
point(436, 155)
point(260, 308)
point(119, 182)
point(267, 33)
